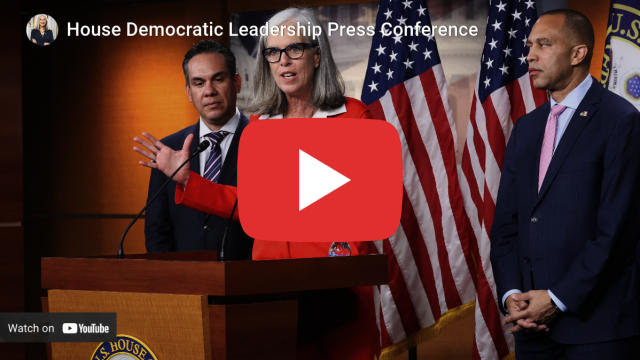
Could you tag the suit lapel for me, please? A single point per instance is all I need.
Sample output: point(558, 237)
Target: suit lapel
point(194, 164)
point(570, 135)
point(230, 166)
point(534, 157)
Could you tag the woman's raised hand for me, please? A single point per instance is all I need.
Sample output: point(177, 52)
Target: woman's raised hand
point(164, 158)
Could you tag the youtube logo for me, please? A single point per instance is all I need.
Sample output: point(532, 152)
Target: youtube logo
point(69, 328)
point(320, 180)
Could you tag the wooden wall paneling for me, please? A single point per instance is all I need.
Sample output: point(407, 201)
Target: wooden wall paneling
point(11, 269)
point(173, 326)
point(53, 237)
point(11, 283)
point(598, 14)
point(11, 201)
point(11, 181)
point(107, 90)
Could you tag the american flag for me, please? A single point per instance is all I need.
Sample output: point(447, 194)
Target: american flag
point(503, 93)
point(430, 265)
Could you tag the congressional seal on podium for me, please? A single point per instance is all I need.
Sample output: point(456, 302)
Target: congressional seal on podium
point(125, 347)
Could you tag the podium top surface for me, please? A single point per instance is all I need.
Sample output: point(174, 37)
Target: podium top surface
point(200, 273)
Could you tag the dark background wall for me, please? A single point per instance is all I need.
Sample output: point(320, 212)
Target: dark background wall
point(68, 113)
point(11, 199)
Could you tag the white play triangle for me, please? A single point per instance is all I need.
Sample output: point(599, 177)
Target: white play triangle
point(316, 180)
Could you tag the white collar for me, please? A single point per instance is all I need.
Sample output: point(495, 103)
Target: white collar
point(230, 126)
point(319, 114)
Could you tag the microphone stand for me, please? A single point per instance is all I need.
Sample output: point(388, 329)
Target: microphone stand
point(203, 145)
point(224, 236)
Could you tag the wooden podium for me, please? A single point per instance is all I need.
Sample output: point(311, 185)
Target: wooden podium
point(190, 306)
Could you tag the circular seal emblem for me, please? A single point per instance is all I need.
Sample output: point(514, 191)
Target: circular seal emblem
point(632, 86)
point(125, 347)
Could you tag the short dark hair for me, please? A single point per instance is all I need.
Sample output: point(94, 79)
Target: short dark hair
point(579, 29)
point(208, 46)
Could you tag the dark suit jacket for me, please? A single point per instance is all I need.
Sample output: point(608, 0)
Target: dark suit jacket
point(41, 39)
point(577, 236)
point(171, 227)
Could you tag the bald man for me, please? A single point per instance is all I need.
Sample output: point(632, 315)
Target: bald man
point(567, 217)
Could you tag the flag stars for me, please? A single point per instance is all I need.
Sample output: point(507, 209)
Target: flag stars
point(487, 82)
point(407, 4)
point(413, 47)
point(530, 4)
point(493, 44)
point(390, 75)
point(393, 56)
point(512, 33)
point(397, 39)
point(524, 41)
point(427, 54)
point(408, 64)
point(504, 69)
point(384, 33)
point(526, 21)
point(380, 50)
point(522, 59)
point(489, 64)
point(496, 25)
point(516, 15)
point(388, 13)
point(376, 68)
point(421, 10)
point(373, 86)
point(507, 52)
point(430, 37)
point(402, 20)
point(501, 7)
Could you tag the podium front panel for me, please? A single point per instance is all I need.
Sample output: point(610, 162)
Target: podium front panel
point(172, 326)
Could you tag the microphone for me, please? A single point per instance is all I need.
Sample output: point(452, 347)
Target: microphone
point(224, 236)
point(201, 147)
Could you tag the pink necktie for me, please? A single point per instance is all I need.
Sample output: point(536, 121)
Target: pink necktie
point(548, 142)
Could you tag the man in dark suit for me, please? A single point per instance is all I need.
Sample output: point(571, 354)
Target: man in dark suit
point(567, 217)
point(212, 85)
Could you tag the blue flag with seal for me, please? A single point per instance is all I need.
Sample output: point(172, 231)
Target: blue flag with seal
point(621, 62)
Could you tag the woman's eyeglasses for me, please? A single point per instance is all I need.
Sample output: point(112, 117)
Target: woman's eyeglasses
point(293, 51)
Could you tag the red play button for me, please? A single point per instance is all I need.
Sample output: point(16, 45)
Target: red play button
point(320, 180)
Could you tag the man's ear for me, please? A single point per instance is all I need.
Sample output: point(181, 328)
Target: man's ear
point(237, 81)
point(578, 54)
point(187, 89)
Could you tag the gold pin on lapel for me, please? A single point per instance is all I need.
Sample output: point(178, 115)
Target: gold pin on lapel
point(584, 113)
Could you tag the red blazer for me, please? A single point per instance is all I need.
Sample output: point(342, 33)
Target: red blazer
point(215, 199)
point(355, 338)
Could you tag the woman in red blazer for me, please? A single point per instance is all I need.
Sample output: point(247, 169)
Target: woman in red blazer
point(294, 77)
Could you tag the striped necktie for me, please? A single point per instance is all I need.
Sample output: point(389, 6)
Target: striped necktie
point(214, 164)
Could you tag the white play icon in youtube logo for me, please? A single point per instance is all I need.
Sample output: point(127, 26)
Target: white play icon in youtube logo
point(316, 180)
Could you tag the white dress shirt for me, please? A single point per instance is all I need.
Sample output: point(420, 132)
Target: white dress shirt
point(571, 102)
point(230, 126)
